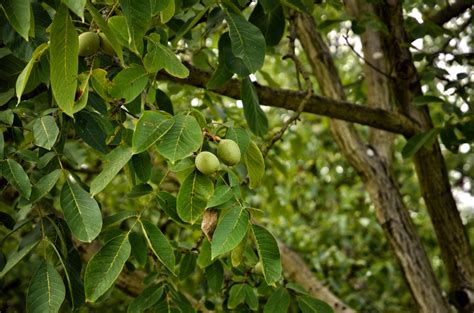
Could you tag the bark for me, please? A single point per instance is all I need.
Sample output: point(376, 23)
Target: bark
point(296, 270)
point(430, 167)
point(291, 99)
point(382, 187)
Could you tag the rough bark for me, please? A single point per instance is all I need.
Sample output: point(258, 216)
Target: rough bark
point(383, 190)
point(291, 99)
point(296, 270)
point(431, 170)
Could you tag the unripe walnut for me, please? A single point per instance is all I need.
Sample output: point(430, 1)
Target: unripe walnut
point(207, 163)
point(89, 43)
point(229, 152)
point(106, 45)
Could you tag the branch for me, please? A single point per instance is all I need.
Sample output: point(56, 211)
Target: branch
point(450, 11)
point(291, 99)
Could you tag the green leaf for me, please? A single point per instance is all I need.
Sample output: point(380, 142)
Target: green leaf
point(248, 42)
point(76, 6)
point(268, 253)
point(219, 77)
point(138, 14)
point(146, 299)
point(204, 257)
point(44, 185)
point(240, 136)
point(254, 115)
point(184, 138)
point(22, 79)
point(142, 166)
point(187, 265)
point(104, 27)
point(167, 203)
point(17, 256)
point(232, 63)
point(167, 13)
point(270, 21)
point(278, 302)
point(160, 56)
point(159, 5)
point(215, 276)
point(139, 248)
point(115, 161)
point(255, 164)
point(236, 295)
point(46, 292)
point(251, 297)
point(129, 83)
point(159, 245)
point(230, 231)
point(93, 129)
point(81, 212)
point(16, 176)
point(150, 128)
point(118, 217)
point(63, 52)
point(221, 195)
point(308, 304)
point(419, 140)
point(18, 13)
point(422, 100)
point(193, 195)
point(105, 266)
point(45, 132)
point(6, 95)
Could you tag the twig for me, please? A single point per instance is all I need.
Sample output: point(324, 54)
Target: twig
point(346, 38)
point(309, 90)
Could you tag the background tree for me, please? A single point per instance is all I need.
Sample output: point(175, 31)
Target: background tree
point(111, 198)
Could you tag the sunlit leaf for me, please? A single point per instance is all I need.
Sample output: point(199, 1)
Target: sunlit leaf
point(159, 244)
point(268, 253)
point(230, 231)
point(193, 195)
point(255, 164)
point(45, 132)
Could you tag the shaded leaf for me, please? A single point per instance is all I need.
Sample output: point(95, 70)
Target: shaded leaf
point(44, 185)
point(278, 302)
point(45, 132)
point(18, 13)
point(105, 266)
point(138, 14)
point(247, 41)
point(146, 299)
point(419, 140)
point(240, 136)
point(129, 83)
point(76, 6)
point(255, 164)
point(161, 57)
point(115, 161)
point(159, 245)
point(268, 253)
point(17, 256)
point(22, 79)
point(236, 295)
point(81, 212)
point(215, 276)
point(193, 195)
point(46, 292)
point(16, 176)
point(254, 115)
point(308, 304)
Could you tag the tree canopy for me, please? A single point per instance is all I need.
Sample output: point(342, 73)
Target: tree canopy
point(213, 156)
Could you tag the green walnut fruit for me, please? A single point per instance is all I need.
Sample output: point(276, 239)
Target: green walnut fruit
point(106, 45)
point(229, 152)
point(207, 163)
point(89, 43)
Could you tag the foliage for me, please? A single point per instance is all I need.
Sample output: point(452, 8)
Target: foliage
point(98, 170)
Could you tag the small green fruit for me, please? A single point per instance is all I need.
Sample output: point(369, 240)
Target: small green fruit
point(229, 152)
point(207, 163)
point(106, 45)
point(89, 43)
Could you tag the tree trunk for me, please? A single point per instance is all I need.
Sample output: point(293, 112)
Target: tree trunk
point(430, 167)
point(383, 190)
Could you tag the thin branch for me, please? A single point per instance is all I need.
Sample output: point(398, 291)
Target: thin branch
point(451, 11)
point(346, 38)
point(319, 105)
point(309, 89)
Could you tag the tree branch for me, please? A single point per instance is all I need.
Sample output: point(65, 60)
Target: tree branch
point(450, 11)
point(291, 99)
